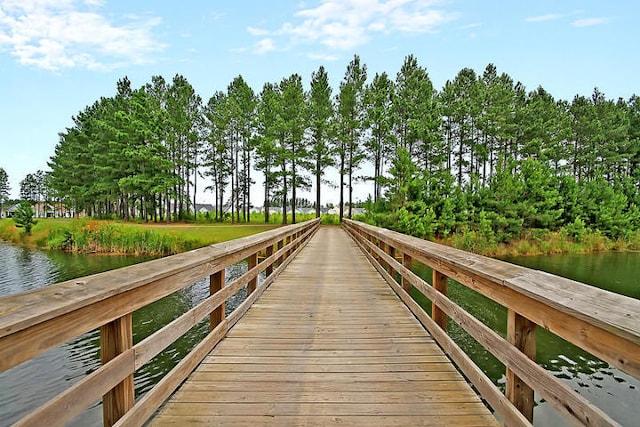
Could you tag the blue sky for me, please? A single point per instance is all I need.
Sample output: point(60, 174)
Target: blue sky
point(57, 56)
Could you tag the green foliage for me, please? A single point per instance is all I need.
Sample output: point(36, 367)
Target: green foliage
point(23, 217)
point(482, 160)
point(577, 230)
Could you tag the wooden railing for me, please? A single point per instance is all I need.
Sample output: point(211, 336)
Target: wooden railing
point(33, 322)
point(600, 322)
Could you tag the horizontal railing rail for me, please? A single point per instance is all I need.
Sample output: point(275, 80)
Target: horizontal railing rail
point(36, 321)
point(600, 322)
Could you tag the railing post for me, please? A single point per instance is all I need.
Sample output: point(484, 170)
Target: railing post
point(406, 262)
point(392, 252)
point(288, 252)
point(216, 283)
point(252, 261)
point(280, 246)
point(116, 337)
point(269, 269)
point(439, 284)
point(521, 332)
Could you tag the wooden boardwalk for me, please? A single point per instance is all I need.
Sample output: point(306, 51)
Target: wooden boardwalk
point(328, 343)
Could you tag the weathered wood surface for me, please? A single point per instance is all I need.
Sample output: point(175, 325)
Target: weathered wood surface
point(328, 343)
point(601, 322)
point(517, 353)
point(35, 321)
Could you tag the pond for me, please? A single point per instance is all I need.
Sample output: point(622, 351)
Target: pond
point(30, 384)
point(610, 389)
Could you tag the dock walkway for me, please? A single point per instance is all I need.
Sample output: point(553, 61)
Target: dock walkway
point(329, 342)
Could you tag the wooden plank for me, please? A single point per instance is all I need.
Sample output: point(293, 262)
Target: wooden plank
point(116, 338)
point(413, 386)
point(330, 339)
point(370, 368)
point(327, 420)
point(321, 408)
point(335, 396)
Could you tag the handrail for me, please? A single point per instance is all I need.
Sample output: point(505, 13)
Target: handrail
point(600, 322)
point(35, 321)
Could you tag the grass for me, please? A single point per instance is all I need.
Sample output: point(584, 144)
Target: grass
point(535, 242)
point(87, 235)
point(102, 236)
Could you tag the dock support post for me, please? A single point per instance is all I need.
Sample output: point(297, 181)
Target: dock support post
point(406, 262)
point(116, 337)
point(440, 285)
point(252, 261)
point(521, 332)
point(216, 283)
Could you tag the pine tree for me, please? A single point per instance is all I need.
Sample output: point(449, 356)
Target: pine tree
point(320, 113)
point(350, 125)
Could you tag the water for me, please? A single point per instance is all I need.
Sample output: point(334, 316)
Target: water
point(615, 392)
point(30, 384)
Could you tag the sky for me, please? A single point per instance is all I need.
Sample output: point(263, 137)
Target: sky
point(58, 56)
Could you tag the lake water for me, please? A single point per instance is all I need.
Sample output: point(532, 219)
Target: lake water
point(32, 383)
point(615, 392)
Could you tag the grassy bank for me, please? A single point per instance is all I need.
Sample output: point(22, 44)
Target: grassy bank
point(535, 242)
point(86, 236)
point(91, 236)
point(567, 240)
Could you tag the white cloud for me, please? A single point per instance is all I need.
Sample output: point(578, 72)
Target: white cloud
point(346, 24)
point(264, 46)
point(58, 34)
point(542, 18)
point(588, 22)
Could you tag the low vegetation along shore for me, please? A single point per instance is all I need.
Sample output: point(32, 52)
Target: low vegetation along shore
point(114, 237)
point(96, 236)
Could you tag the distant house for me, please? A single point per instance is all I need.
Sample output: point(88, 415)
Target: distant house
point(354, 211)
point(204, 208)
point(8, 210)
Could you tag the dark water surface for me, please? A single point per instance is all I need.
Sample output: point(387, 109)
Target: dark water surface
point(32, 383)
point(615, 392)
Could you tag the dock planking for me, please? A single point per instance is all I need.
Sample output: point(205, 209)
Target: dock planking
point(328, 343)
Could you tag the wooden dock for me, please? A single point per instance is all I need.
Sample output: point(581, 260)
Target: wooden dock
point(329, 342)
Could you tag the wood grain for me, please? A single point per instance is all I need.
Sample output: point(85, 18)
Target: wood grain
point(328, 340)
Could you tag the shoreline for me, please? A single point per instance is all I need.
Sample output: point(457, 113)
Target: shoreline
point(104, 237)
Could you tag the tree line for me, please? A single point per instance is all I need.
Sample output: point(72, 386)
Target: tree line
point(481, 152)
